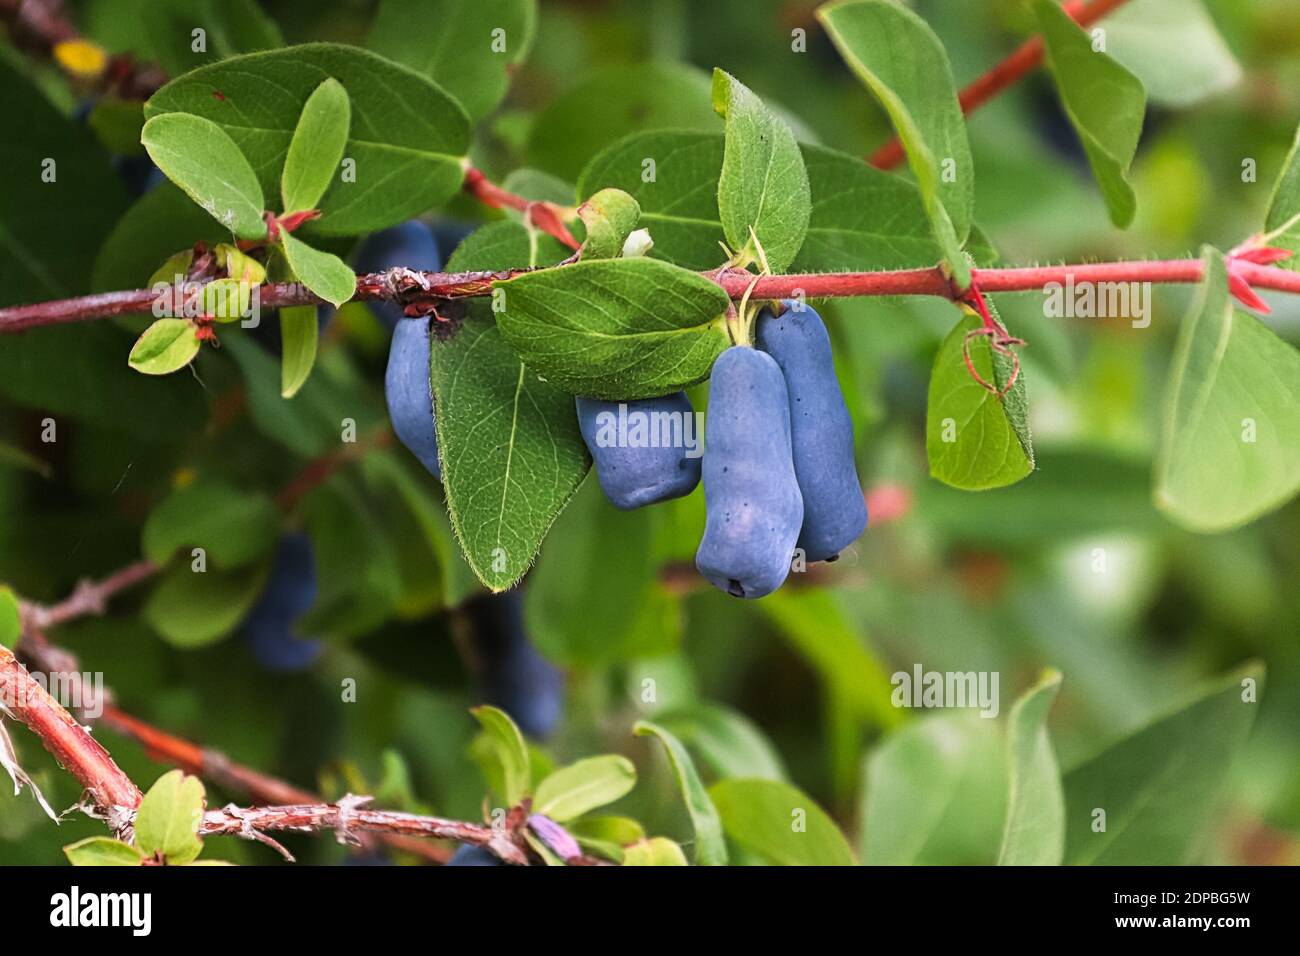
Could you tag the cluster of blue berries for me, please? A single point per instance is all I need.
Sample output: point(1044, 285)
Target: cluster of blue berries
point(779, 470)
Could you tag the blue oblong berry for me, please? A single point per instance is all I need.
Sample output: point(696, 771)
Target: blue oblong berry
point(645, 451)
point(408, 393)
point(834, 509)
point(753, 508)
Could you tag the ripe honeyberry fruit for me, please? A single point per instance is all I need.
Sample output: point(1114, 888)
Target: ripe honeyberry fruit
point(642, 460)
point(834, 510)
point(407, 390)
point(473, 856)
point(290, 591)
point(411, 245)
point(511, 673)
point(753, 509)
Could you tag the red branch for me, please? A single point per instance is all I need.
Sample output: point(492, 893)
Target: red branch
point(1026, 57)
point(22, 697)
point(429, 289)
point(545, 216)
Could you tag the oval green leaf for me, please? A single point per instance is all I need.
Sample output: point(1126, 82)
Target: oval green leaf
point(594, 782)
point(299, 331)
point(615, 328)
point(780, 823)
point(408, 138)
point(975, 439)
point(511, 449)
point(904, 65)
point(323, 272)
point(164, 347)
point(1230, 442)
point(169, 817)
point(1104, 101)
point(317, 146)
point(763, 190)
point(201, 158)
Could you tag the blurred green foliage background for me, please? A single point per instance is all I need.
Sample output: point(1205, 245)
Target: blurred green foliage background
point(996, 581)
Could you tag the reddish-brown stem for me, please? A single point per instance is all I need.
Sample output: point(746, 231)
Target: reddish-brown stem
point(88, 598)
point(545, 216)
point(345, 818)
point(431, 288)
point(25, 699)
point(1026, 57)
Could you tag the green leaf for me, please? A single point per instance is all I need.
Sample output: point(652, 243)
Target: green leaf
point(935, 793)
point(164, 347)
point(162, 30)
point(408, 138)
point(323, 272)
point(513, 455)
point(299, 331)
point(610, 216)
point(1283, 220)
point(1159, 785)
point(191, 608)
point(862, 218)
point(465, 54)
point(1173, 48)
point(1035, 826)
point(656, 851)
point(606, 836)
point(904, 65)
point(11, 625)
point(582, 786)
point(724, 741)
point(510, 749)
point(710, 847)
point(976, 440)
point(42, 256)
point(1230, 442)
point(360, 582)
point(576, 553)
point(201, 158)
point(227, 300)
point(317, 147)
point(615, 328)
point(763, 191)
point(102, 851)
point(232, 526)
point(780, 823)
point(169, 817)
point(568, 132)
point(1104, 101)
point(815, 624)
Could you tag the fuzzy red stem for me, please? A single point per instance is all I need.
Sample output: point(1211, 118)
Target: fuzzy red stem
point(70, 743)
point(1028, 56)
point(376, 287)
